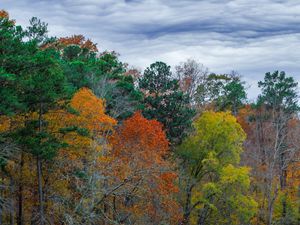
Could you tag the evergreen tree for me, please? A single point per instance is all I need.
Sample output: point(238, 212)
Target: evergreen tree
point(165, 102)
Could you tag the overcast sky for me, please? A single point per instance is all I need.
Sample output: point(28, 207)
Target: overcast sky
point(249, 36)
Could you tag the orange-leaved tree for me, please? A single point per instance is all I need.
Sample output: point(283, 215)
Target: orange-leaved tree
point(82, 128)
point(140, 149)
point(76, 174)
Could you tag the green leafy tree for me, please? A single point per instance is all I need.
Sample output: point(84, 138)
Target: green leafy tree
point(43, 86)
point(31, 82)
point(37, 30)
point(279, 92)
point(280, 99)
point(165, 102)
point(117, 87)
point(223, 92)
point(234, 95)
point(103, 73)
point(13, 55)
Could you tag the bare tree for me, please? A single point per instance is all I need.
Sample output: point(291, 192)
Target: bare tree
point(191, 74)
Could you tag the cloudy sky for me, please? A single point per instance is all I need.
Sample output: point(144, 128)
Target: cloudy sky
point(249, 36)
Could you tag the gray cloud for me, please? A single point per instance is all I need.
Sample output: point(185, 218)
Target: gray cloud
point(252, 37)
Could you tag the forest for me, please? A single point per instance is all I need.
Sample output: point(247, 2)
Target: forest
point(88, 139)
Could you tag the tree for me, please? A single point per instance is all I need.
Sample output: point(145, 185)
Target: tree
point(215, 144)
point(37, 31)
point(234, 94)
point(228, 201)
point(102, 72)
point(12, 54)
point(165, 102)
point(280, 95)
point(140, 148)
point(77, 175)
point(222, 92)
point(75, 157)
point(272, 144)
point(191, 74)
point(24, 70)
point(117, 86)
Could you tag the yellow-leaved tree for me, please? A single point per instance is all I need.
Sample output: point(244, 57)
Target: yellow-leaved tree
point(71, 177)
point(214, 186)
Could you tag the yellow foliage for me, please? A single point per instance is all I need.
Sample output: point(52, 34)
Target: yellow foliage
point(4, 123)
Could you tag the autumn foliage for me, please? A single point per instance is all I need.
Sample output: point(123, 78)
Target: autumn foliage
point(141, 146)
point(80, 41)
point(4, 14)
point(84, 139)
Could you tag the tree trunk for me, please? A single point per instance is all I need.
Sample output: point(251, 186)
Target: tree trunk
point(270, 214)
point(12, 207)
point(203, 215)
point(40, 191)
point(187, 206)
point(283, 170)
point(39, 173)
point(20, 218)
point(283, 178)
point(1, 196)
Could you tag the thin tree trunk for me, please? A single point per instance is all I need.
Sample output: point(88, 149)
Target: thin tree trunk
point(283, 171)
point(39, 174)
point(1, 214)
point(12, 207)
point(1, 206)
point(203, 215)
point(187, 206)
point(20, 218)
point(270, 214)
point(40, 190)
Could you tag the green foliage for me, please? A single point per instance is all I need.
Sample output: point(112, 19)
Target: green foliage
point(9, 101)
point(116, 87)
point(165, 102)
point(44, 83)
point(105, 75)
point(12, 54)
point(279, 92)
point(37, 31)
point(234, 95)
point(158, 79)
point(41, 144)
point(292, 210)
point(226, 92)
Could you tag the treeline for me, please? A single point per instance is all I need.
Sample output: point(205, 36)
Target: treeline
point(87, 139)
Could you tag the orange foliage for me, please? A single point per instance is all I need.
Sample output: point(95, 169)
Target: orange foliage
point(4, 14)
point(242, 117)
point(141, 136)
point(92, 109)
point(89, 114)
point(140, 147)
point(80, 41)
